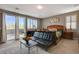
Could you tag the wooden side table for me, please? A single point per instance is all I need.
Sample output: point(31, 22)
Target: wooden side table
point(68, 35)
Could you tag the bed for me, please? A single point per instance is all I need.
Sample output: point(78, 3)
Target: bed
point(59, 30)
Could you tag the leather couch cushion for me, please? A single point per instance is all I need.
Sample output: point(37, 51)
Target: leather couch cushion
point(36, 34)
point(48, 36)
point(40, 35)
point(43, 42)
point(45, 38)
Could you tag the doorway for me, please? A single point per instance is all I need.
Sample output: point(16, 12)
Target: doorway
point(10, 26)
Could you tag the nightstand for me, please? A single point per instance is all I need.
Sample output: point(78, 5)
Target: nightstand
point(68, 35)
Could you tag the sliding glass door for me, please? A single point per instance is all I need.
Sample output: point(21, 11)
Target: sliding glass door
point(10, 26)
point(22, 28)
point(15, 26)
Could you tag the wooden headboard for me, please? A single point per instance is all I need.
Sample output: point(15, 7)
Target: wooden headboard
point(58, 27)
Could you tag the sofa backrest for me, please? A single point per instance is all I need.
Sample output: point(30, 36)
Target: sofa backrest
point(45, 35)
point(36, 34)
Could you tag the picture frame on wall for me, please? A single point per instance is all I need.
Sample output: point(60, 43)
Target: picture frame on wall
point(55, 20)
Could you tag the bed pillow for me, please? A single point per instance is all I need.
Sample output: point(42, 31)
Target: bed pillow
point(58, 34)
point(53, 29)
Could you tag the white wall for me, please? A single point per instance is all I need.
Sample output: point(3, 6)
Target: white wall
point(47, 22)
point(4, 37)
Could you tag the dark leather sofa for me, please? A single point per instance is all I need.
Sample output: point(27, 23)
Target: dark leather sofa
point(45, 38)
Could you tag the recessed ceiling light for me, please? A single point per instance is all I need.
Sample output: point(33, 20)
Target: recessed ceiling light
point(40, 7)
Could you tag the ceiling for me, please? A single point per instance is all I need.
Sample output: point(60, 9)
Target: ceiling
point(47, 11)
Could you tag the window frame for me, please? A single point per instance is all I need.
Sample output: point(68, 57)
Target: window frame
point(24, 24)
point(32, 23)
point(71, 21)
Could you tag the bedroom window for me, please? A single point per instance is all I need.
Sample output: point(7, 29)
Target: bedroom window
point(31, 23)
point(71, 22)
point(68, 22)
point(22, 26)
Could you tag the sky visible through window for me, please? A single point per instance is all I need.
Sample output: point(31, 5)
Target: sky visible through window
point(31, 23)
point(21, 23)
point(10, 22)
point(10, 19)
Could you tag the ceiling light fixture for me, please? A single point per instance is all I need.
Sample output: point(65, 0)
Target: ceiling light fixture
point(40, 7)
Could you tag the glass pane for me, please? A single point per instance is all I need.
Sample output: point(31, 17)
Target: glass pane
point(68, 19)
point(73, 18)
point(73, 25)
point(68, 25)
point(10, 26)
point(31, 23)
point(21, 26)
point(35, 24)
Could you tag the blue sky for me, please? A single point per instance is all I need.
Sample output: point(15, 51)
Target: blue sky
point(11, 20)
